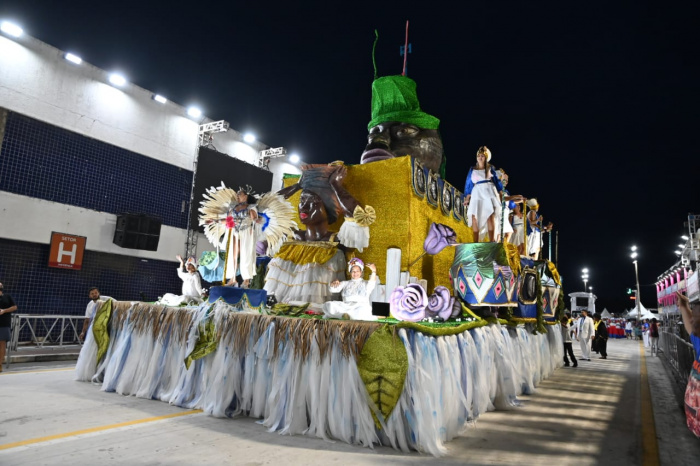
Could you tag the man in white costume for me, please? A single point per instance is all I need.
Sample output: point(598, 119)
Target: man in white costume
point(586, 333)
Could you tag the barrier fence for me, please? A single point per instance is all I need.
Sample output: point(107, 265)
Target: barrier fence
point(45, 329)
point(679, 353)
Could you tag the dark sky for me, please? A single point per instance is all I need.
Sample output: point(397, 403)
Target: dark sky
point(592, 107)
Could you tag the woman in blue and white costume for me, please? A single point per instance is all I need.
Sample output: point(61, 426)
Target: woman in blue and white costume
point(355, 293)
point(535, 229)
point(482, 190)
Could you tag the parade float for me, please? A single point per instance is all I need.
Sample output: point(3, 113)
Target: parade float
point(472, 325)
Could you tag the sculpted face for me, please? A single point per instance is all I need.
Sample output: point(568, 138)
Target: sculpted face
point(311, 209)
point(396, 139)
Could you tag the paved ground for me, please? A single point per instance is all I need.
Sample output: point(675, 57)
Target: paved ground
point(593, 414)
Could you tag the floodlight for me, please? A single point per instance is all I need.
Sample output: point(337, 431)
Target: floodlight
point(11, 29)
point(117, 79)
point(159, 98)
point(685, 238)
point(633, 255)
point(249, 138)
point(681, 246)
point(73, 58)
point(584, 270)
point(194, 112)
point(633, 248)
point(294, 158)
point(678, 253)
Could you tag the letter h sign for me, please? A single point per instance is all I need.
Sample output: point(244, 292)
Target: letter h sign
point(66, 251)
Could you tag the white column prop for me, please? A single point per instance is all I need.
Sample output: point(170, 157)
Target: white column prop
point(393, 270)
point(424, 284)
point(405, 279)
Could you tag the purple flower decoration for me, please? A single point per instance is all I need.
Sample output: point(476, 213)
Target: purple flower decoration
point(440, 303)
point(439, 237)
point(408, 302)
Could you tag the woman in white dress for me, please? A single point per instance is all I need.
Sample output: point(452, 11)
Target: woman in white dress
point(482, 190)
point(191, 282)
point(355, 293)
point(510, 203)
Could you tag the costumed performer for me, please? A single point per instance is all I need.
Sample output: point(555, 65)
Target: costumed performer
point(691, 321)
point(482, 196)
point(518, 236)
point(510, 202)
point(232, 223)
point(356, 293)
point(303, 268)
point(191, 281)
point(535, 229)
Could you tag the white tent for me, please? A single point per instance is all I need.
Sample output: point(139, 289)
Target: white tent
point(606, 314)
point(641, 313)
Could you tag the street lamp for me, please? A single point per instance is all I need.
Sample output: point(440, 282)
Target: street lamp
point(584, 277)
point(636, 275)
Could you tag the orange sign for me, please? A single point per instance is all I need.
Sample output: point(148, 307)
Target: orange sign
point(66, 251)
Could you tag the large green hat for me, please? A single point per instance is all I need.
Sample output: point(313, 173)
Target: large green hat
point(394, 98)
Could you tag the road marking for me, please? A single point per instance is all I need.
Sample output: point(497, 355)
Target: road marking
point(92, 430)
point(650, 444)
point(38, 371)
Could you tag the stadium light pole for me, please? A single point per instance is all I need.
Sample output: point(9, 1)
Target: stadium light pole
point(636, 276)
point(584, 277)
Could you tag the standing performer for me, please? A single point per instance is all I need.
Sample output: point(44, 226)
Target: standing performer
point(232, 223)
point(482, 190)
point(601, 337)
point(585, 334)
point(568, 348)
point(510, 203)
point(535, 229)
point(355, 293)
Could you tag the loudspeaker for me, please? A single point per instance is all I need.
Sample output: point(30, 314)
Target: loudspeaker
point(137, 232)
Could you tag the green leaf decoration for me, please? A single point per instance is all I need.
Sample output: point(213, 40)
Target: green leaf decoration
point(100, 328)
point(206, 343)
point(383, 365)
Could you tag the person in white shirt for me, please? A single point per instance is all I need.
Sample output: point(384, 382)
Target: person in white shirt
point(91, 309)
point(191, 282)
point(628, 330)
point(585, 334)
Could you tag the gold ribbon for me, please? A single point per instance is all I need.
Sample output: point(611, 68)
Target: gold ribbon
point(364, 217)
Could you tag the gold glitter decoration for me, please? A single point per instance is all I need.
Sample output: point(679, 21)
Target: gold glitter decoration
point(303, 252)
point(403, 219)
point(383, 365)
point(513, 258)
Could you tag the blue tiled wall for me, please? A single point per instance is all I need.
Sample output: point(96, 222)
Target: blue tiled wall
point(43, 161)
point(39, 289)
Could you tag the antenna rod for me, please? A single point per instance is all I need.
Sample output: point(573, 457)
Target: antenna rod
point(405, 51)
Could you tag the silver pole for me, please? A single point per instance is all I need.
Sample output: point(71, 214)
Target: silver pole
point(636, 274)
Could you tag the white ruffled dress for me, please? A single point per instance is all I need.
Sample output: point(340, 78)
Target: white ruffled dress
point(355, 303)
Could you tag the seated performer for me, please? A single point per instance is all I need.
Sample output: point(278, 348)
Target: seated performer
point(191, 281)
point(482, 190)
point(355, 292)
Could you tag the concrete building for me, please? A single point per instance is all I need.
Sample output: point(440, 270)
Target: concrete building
point(75, 153)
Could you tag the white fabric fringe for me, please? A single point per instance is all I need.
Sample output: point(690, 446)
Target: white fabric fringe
point(451, 380)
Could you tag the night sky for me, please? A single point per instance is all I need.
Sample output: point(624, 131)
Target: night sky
point(591, 107)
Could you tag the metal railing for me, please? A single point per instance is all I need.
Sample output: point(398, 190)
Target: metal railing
point(42, 329)
point(680, 353)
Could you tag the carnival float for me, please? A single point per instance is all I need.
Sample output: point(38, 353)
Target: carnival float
point(472, 324)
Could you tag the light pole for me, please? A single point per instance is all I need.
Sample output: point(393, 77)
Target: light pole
point(584, 277)
point(636, 276)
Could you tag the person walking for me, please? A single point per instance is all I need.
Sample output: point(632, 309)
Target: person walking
point(568, 348)
point(628, 330)
point(585, 334)
point(601, 337)
point(7, 305)
point(654, 336)
point(91, 309)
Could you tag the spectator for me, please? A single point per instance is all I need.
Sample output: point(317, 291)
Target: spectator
point(691, 321)
point(7, 305)
point(628, 329)
point(601, 337)
point(568, 348)
point(654, 336)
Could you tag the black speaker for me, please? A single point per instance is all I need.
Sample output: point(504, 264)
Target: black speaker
point(137, 232)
